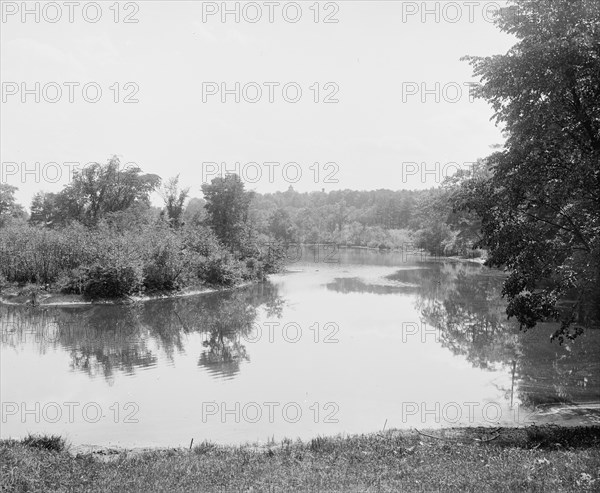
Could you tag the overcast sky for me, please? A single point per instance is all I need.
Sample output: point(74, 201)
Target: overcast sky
point(374, 58)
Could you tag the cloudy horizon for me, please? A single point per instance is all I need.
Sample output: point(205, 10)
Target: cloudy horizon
point(397, 90)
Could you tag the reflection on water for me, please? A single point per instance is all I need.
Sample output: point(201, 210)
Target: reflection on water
point(109, 339)
point(357, 285)
point(172, 356)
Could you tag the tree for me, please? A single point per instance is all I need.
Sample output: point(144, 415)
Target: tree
point(195, 213)
point(44, 209)
point(227, 204)
point(281, 226)
point(540, 209)
point(8, 204)
point(174, 198)
point(101, 189)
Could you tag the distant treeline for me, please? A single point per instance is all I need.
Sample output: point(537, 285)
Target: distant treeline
point(376, 219)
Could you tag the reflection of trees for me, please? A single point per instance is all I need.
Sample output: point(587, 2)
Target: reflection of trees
point(106, 339)
point(356, 285)
point(465, 303)
point(224, 327)
point(470, 313)
point(551, 373)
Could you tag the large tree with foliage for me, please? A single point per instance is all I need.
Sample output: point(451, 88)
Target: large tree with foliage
point(541, 208)
point(227, 205)
point(281, 226)
point(44, 209)
point(102, 189)
point(9, 208)
point(174, 198)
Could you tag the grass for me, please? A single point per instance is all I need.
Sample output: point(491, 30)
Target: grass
point(52, 443)
point(540, 459)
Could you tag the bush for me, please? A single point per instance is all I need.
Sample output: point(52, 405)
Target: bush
point(436, 238)
point(72, 281)
point(117, 270)
point(164, 264)
point(31, 254)
point(112, 281)
point(201, 241)
point(220, 270)
point(272, 259)
point(53, 442)
point(110, 262)
point(253, 269)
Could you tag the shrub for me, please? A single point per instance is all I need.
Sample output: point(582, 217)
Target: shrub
point(112, 281)
point(254, 269)
point(73, 281)
point(200, 240)
point(272, 259)
point(40, 255)
point(111, 262)
point(164, 264)
point(221, 270)
point(53, 442)
point(117, 270)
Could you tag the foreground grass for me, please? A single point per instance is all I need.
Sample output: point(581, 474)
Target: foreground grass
point(467, 459)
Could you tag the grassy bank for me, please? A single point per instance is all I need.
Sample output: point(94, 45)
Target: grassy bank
point(468, 459)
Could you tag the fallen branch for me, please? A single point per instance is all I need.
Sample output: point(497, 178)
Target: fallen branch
point(444, 438)
point(430, 436)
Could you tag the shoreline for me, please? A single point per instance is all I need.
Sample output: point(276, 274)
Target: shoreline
point(15, 297)
point(422, 253)
point(534, 458)
point(59, 299)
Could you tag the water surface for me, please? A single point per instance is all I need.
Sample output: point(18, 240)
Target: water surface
point(363, 340)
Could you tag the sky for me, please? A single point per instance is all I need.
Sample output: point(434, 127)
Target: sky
point(378, 99)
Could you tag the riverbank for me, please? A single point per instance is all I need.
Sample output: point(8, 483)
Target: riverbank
point(477, 259)
point(547, 458)
point(16, 296)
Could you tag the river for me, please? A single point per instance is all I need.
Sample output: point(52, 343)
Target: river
point(349, 341)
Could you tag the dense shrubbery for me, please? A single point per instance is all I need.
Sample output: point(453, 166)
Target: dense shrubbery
point(108, 263)
point(220, 270)
point(100, 236)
